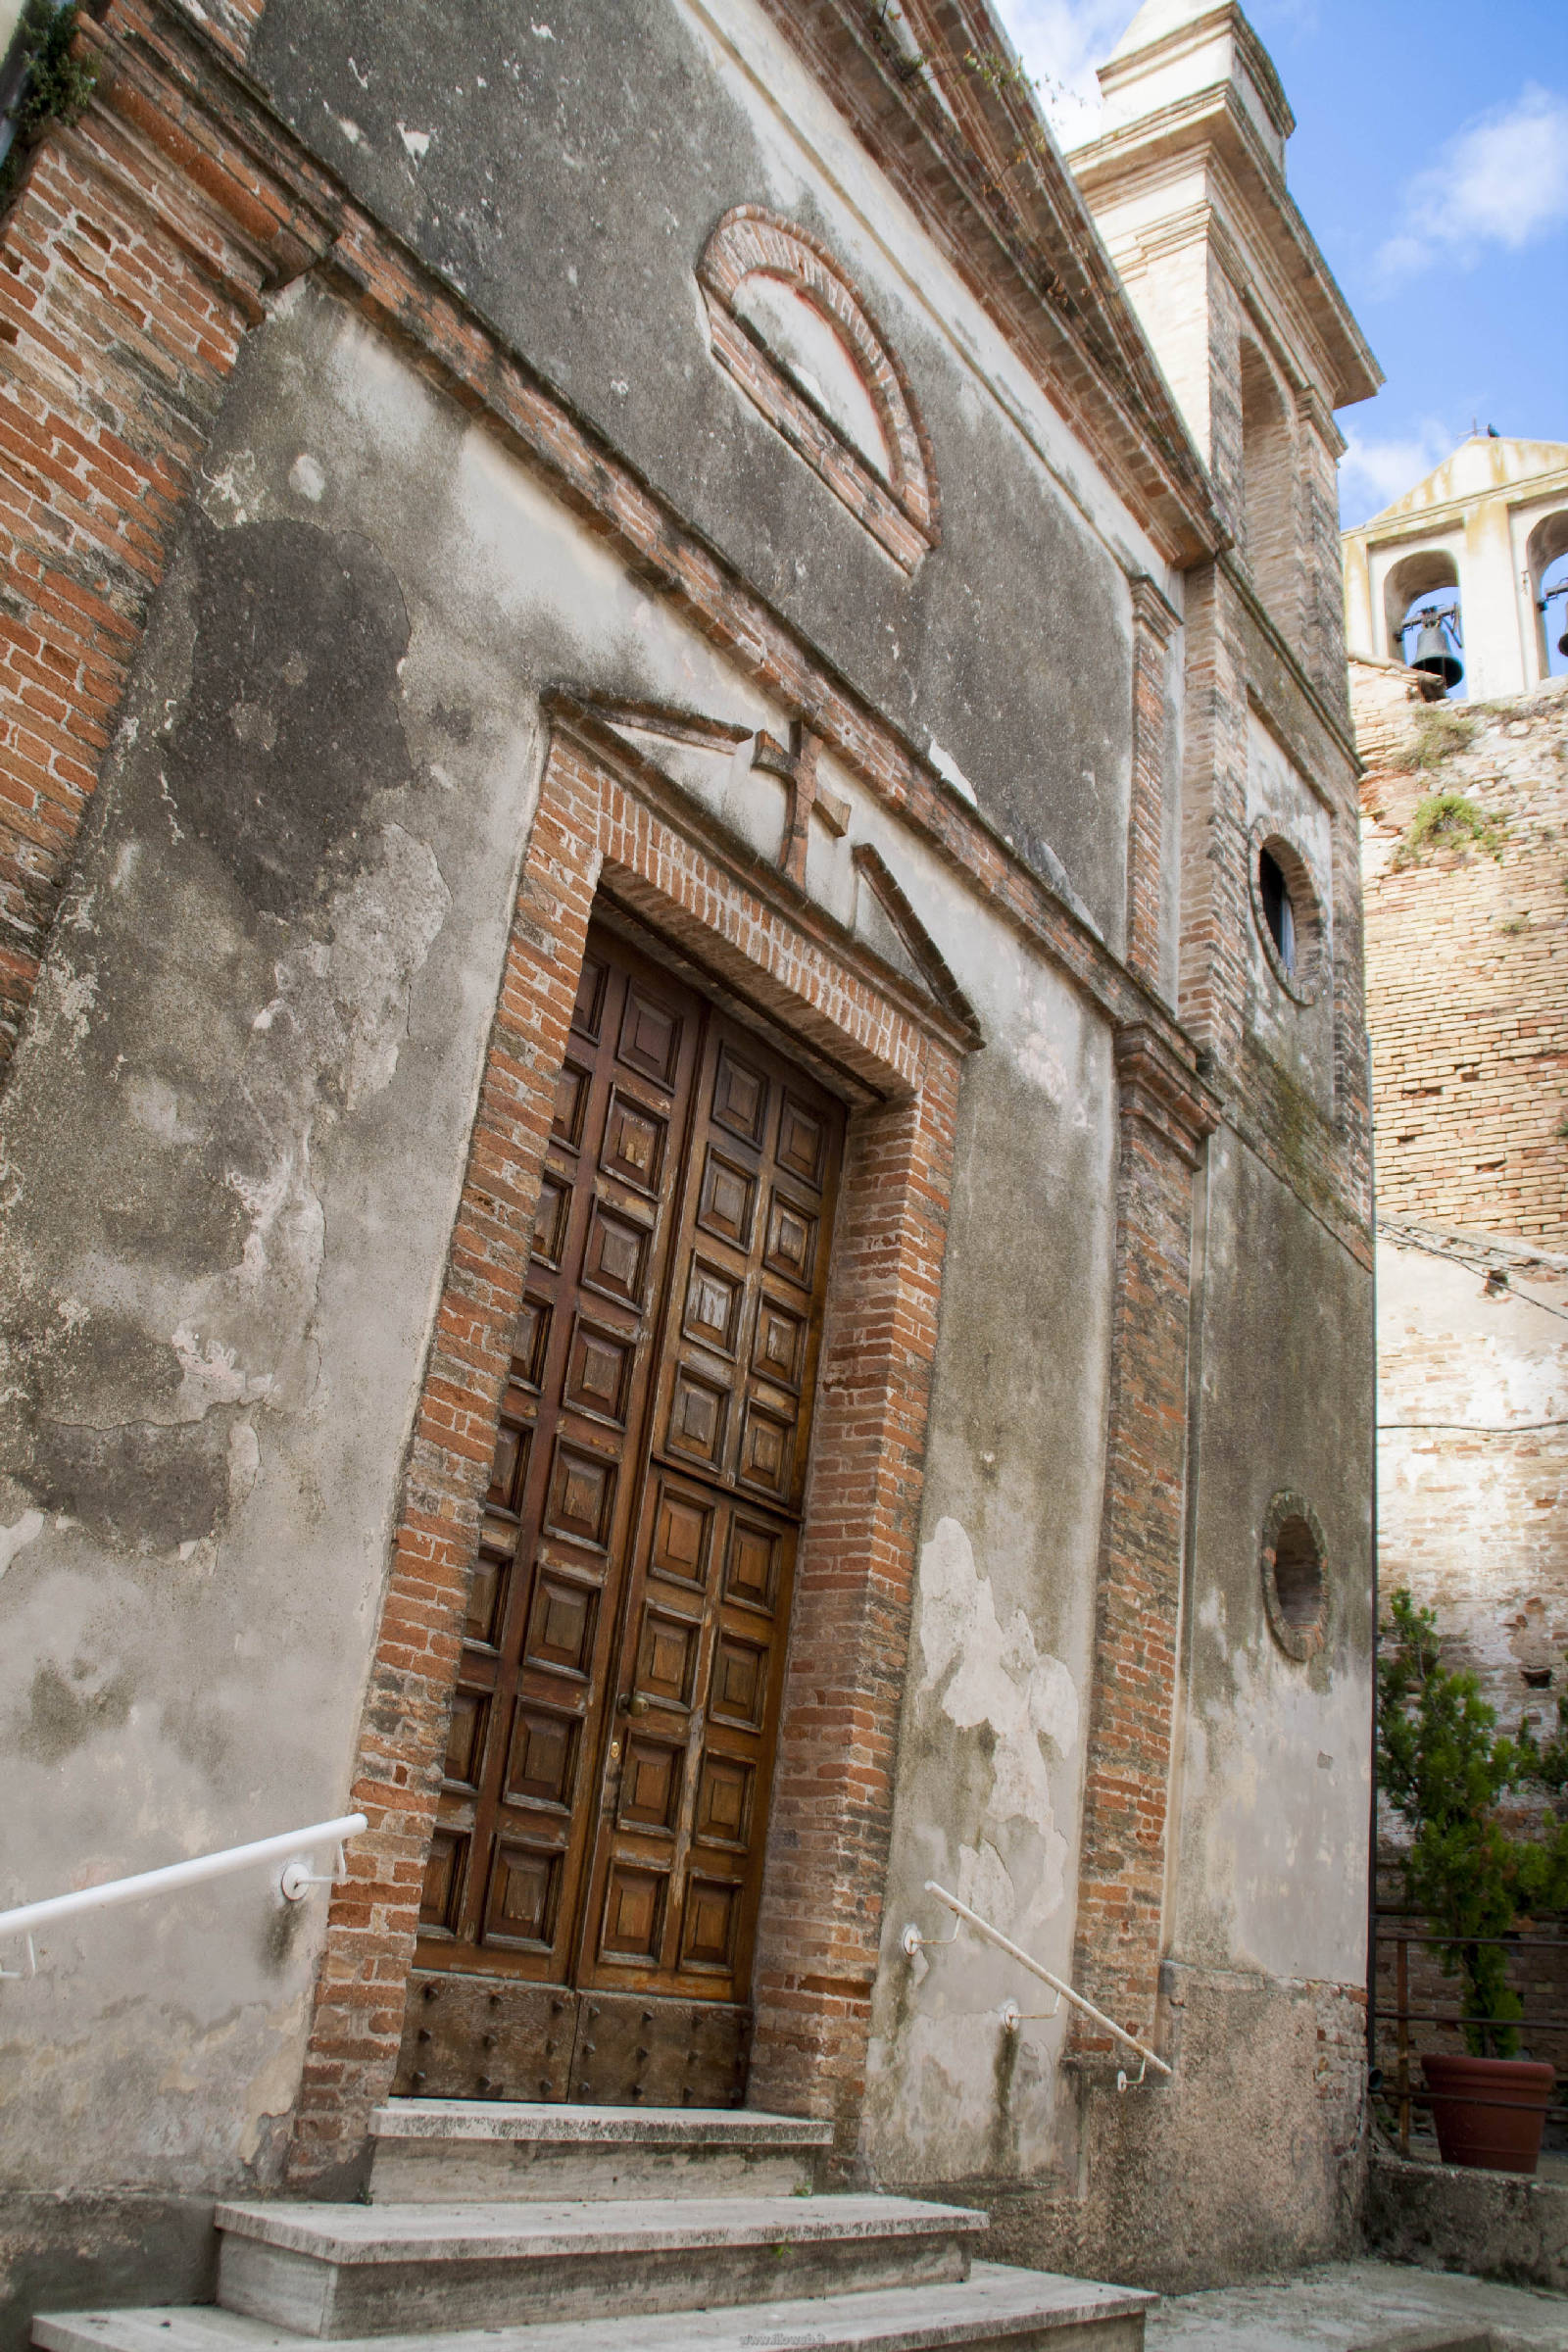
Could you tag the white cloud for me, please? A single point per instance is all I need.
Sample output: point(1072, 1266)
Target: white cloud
point(1060, 43)
point(1502, 180)
point(1374, 473)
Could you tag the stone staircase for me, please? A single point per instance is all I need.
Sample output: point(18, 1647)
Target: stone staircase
point(495, 2227)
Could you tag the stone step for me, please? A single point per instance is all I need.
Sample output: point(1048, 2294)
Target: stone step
point(993, 2310)
point(371, 2270)
point(448, 2151)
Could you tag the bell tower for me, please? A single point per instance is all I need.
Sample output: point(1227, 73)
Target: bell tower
point(1186, 183)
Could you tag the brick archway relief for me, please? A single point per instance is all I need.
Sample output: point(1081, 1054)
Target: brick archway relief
point(598, 828)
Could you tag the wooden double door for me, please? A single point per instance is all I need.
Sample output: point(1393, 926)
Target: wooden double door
point(591, 1897)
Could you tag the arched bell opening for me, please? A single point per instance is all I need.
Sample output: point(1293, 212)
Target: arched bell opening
point(1546, 561)
point(1422, 606)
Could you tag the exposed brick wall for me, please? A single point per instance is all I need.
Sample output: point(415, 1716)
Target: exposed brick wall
point(132, 263)
point(855, 1578)
point(1121, 1868)
point(1154, 624)
point(1467, 961)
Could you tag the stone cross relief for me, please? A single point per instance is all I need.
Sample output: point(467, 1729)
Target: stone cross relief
point(809, 797)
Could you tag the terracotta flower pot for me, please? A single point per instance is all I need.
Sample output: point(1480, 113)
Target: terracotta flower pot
point(1488, 2111)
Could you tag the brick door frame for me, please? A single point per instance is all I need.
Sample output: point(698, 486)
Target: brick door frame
point(609, 821)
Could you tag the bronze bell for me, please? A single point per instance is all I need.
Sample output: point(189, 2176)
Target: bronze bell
point(1432, 652)
point(1562, 642)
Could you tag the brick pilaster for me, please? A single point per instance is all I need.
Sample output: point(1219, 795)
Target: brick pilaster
point(137, 252)
point(831, 1827)
point(1164, 1119)
point(1154, 622)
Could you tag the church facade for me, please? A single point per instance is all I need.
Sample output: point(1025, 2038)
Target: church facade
point(685, 1130)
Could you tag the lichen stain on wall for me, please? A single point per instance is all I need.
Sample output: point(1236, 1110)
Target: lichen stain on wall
point(1277, 1788)
point(181, 1316)
point(986, 1675)
point(1016, 1708)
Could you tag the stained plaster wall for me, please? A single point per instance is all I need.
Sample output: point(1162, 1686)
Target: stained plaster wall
point(1473, 1456)
point(564, 169)
point(260, 1025)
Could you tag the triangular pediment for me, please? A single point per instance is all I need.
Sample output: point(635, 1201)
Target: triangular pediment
point(767, 797)
point(1486, 465)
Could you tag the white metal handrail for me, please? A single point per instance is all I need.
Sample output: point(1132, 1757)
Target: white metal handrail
point(296, 1878)
point(912, 1939)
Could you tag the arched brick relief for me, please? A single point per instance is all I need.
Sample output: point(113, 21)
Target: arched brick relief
point(861, 435)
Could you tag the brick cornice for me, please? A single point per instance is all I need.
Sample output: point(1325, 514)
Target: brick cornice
point(202, 155)
point(1162, 1092)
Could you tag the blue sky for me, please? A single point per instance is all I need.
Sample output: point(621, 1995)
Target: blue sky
point(1430, 160)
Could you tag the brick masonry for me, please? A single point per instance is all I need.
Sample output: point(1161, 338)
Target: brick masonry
point(1137, 1617)
point(135, 258)
point(1468, 959)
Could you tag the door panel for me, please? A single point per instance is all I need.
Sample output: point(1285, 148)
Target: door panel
point(602, 1816)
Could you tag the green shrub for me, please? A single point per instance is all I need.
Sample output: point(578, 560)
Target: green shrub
point(1445, 1769)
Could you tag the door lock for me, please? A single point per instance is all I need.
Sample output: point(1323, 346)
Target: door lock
point(630, 1704)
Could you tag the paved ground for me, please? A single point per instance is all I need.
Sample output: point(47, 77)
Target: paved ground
point(1363, 2307)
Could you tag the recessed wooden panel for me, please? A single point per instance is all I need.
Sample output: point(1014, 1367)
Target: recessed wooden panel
point(524, 1886)
point(649, 1035)
point(667, 1659)
point(708, 1938)
point(443, 1882)
point(634, 1145)
point(724, 1803)
point(582, 1490)
point(727, 1202)
point(712, 1311)
point(650, 1786)
point(588, 1013)
point(801, 1140)
point(635, 1916)
point(487, 1596)
point(529, 1342)
point(778, 1350)
point(465, 1728)
point(767, 1450)
point(752, 1564)
point(791, 1246)
point(560, 1625)
point(740, 1097)
point(599, 1373)
point(683, 1536)
point(550, 1219)
point(615, 1261)
point(510, 1469)
point(698, 1411)
point(572, 1104)
point(542, 1767)
point(740, 1682)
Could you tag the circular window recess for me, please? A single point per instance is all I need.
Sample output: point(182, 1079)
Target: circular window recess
point(1296, 1586)
point(1287, 913)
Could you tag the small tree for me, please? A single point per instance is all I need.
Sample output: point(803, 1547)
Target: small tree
point(1445, 1768)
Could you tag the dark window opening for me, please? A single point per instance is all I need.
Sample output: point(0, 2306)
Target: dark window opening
point(1298, 1574)
point(1278, 912)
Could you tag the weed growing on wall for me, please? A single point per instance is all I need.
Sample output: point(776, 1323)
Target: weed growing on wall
point(1451, 820)
point(1439, 733)
point(57, 85)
